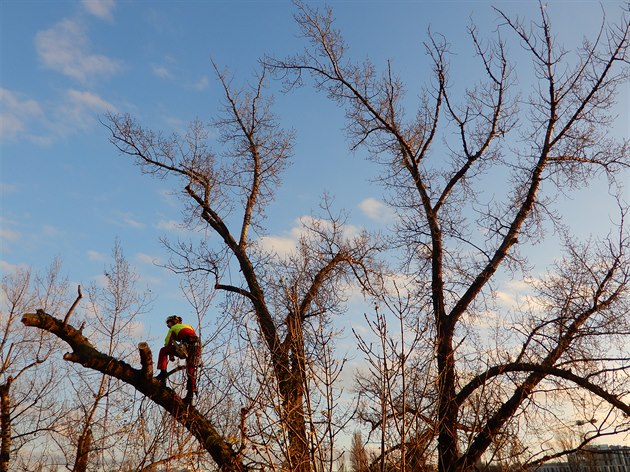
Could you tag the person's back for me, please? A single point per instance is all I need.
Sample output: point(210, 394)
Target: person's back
point(179, 332)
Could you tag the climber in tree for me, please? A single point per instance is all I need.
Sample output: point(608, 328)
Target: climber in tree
point(181, 341)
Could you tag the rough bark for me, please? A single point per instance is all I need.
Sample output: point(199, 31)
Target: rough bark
point(83, 451)
point(5, 425)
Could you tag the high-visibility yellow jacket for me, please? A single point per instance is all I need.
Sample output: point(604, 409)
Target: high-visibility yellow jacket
point(178, 332)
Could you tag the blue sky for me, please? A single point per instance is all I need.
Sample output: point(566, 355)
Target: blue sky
point(65, 191)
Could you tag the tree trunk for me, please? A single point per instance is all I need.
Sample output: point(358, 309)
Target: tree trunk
point(83, 451)
point(5, 425)
point(299, 453)
point(447, 408)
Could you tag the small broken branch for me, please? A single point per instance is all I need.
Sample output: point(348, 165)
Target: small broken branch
point(76, 302)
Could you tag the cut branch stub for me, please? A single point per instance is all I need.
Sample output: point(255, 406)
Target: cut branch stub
point(146, 359)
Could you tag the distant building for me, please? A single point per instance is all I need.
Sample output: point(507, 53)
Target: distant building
point(554, 467)
point(601, 459)
point(592, 459)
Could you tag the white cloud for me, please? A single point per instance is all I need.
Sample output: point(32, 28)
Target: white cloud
point(101, 280)
point(79, 111)
point(285, 245)
point(27, 106)
point(18, 113)
point(150, 280)
point(514, 292)
point(65, 48)
point(133, 223)
point(10, 126)
point(162, 72)
point(169, 197)
point(122, 218)
point(136, 329)
point(282, 246)
point(51, 231)
point(175, 123)
point(202, 83)
point(9, 234)
point(24, 118)
point(376, 210)
point(100, 8)
point(483, 320)
point(8, 268)
point(6, 189)
point(506, 298)
point(147, 259)
point(96, 256)
point(170, 225)
point(90, 100)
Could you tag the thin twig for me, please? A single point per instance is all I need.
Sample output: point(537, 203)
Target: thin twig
point(76, 302)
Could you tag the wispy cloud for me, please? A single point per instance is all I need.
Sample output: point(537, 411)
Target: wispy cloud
point(283, 246)
point(202, 83)
point(24, 118)
point(96, 256)
point(8, 268)
point(51, 231)
point(101, 280)
point(6, 231)
point(147, 259)
point(79, 110)
point(162, 72)
point(175, 123)
point(9, 235)
point(514, 292)
point(17, 115)
point(287, 244)
point(100, 8)
point(6, 189)
point(168, 196)
point(170, 225)
point(90, 100)
point(126, 219)
point(136, 329)
point(376, 210)
point(133, 223)
point(65, 48)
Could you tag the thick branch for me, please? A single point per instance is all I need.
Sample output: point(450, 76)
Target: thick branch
point(495, 371)
point(84, 353)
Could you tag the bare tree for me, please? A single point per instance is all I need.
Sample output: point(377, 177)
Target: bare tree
point(462, 240)
point(29, 376)
point(101, 403)
point(395, 399)
point(358, 455)
point(279, 304)
point(469, 400)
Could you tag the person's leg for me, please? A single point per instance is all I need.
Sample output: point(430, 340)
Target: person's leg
point(162, 363)
point(191, 370)
point(163, 358)
point(192, 361)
